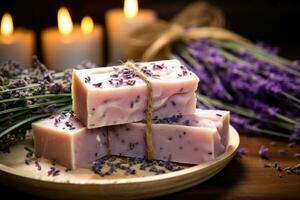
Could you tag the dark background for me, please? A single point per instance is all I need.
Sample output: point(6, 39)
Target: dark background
point(273, 21)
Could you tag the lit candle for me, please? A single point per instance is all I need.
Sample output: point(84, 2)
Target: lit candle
point(69, 45)
point(120, 23)
point(17, 45)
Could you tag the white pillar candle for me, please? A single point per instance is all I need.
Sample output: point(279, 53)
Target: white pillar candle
point(15, 45)
point(120, 23)
point(66, 46)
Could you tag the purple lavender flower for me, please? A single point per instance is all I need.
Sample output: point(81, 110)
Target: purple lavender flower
point(295, 134)
point(263, 152)
point(267, 87)
point(241, 151)
point(267, 49)
point(218, 91)
point(296, 64)
point(239, 121)
point(51, 108)
point(213, 57)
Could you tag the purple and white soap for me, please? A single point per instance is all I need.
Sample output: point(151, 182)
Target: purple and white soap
point(192, 139)
point(64, 139)
point(116, 95)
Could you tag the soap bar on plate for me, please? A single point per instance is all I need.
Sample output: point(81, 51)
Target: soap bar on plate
point(220, 118)
point(192, 139)
point(65, 140)
point(116, 95)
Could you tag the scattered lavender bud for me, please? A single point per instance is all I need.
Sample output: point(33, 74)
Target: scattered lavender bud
point(173, 103)
point(27, 162)
point(157, 67)
point(51, 108)
point(87, 79)
point(130, 82)
point(263, 152)
point(56, 121)
point(187, 122)
point(97, 85)
point(29, 152)
point(146, 71)
point(56, 172)
point(37, 164)
point(241, 151)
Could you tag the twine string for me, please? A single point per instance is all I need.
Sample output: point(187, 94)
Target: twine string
point(199, 20)
point(149, 109)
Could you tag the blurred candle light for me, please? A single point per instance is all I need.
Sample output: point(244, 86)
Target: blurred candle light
point(120, 23)
point(69, 45)
point(87, 25)
point(15, 45)
point(7, 25)
point(131, 8)
point(64, 21)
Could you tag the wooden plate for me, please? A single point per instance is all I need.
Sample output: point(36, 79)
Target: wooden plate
point(83, 183)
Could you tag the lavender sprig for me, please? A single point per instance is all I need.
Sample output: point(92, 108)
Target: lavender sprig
point(29, 94)
point(259, 87)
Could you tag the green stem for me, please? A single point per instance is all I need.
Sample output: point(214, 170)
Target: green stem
point(21, 88)
point(236, 109)
point(30, 119)
point(261, 55)
point(186, 53)
point(238, 60)
point(188, 56)
point(241, 111)
point(286, 119)
point(36, 97)
point(35, 105)
point(291, 97)
point(10, 116)
point(256, 51)
point(9, 129)
point(229, 56)
point(269, 132)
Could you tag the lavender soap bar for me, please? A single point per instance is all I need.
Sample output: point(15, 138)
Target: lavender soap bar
point(64, 139)
point(116, 95)
point(190, 139)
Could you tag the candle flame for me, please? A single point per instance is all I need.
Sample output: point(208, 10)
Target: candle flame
point(7, 25)
point(87, 25)
point(65, 24)
point(131, 8)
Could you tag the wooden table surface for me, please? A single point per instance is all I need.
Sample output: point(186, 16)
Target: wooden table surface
point(244, 178)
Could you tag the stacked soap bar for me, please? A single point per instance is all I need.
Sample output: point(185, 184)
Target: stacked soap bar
point(63, 138)
point(194, 138)
point(116, 95)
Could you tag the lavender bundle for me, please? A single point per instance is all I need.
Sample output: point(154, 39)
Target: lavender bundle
point(29, 94)
point(260, 88)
